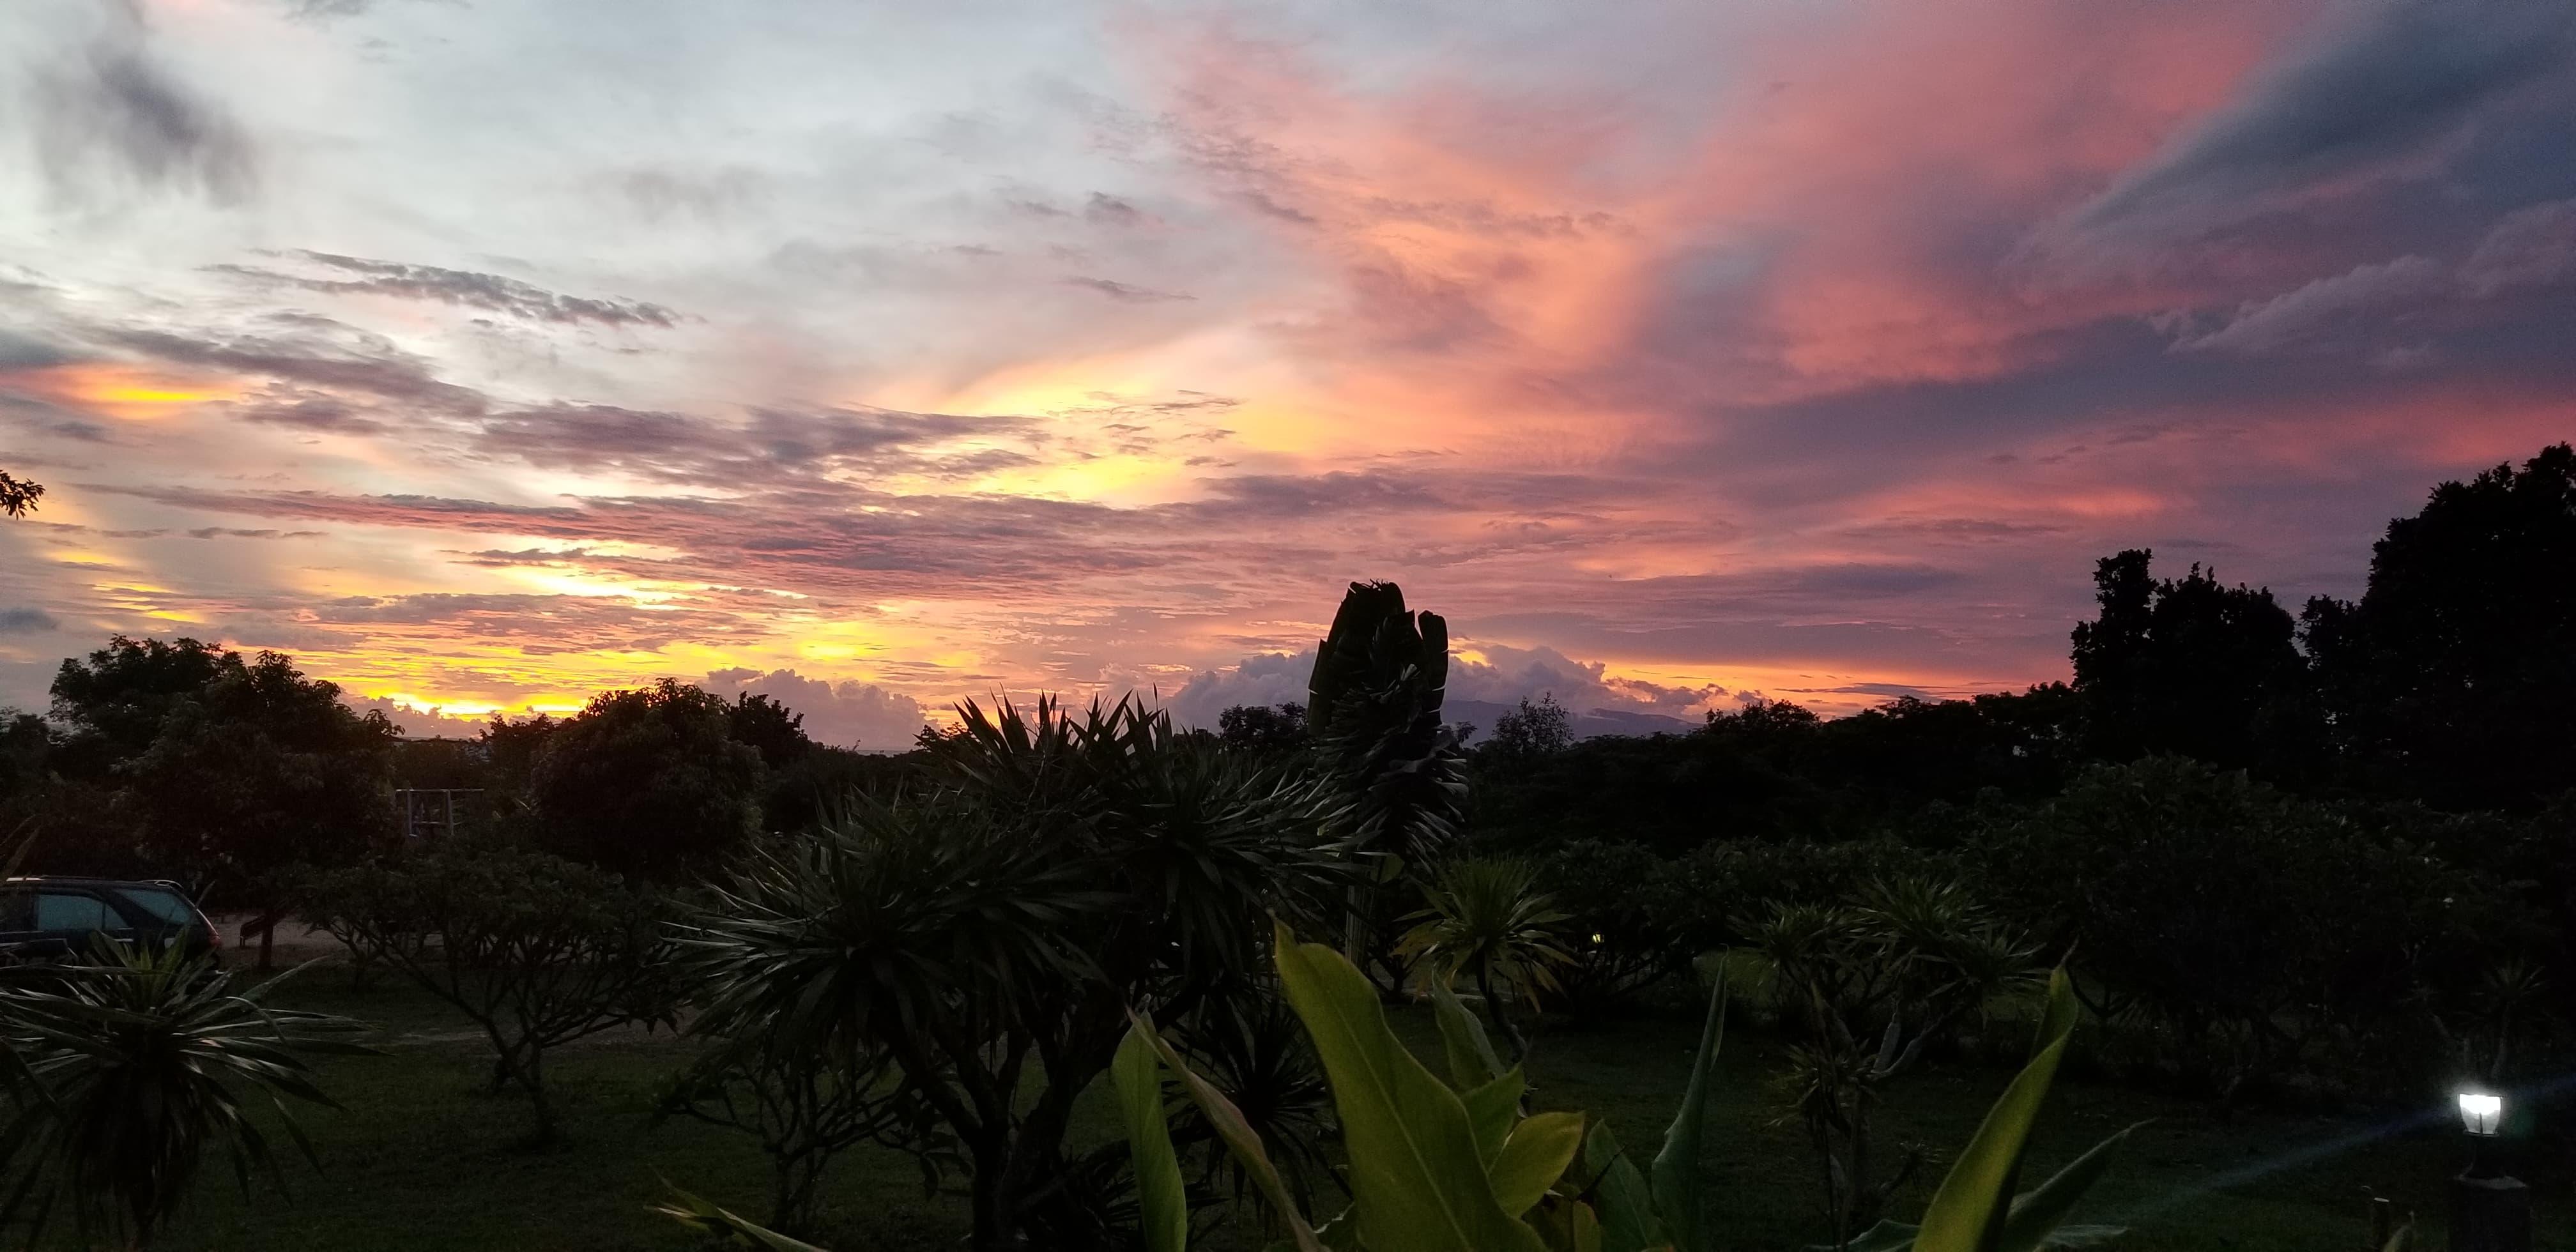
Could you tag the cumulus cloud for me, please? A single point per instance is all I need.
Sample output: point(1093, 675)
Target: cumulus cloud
point(848, 713)
point(1481, 688)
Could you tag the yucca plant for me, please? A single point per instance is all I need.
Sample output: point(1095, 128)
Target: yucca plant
point(1488, 922)
point(144, 1062)
point(988, 933)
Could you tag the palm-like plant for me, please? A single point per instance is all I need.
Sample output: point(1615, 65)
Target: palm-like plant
point(1487, 920)
point(1257, 1049)
point(143, 1063)
point(989, 934)
point(1867, 985)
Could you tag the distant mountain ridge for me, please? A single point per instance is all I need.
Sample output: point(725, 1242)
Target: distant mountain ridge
point(1587, 724)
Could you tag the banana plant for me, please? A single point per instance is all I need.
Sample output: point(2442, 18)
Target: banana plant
point(1977, 1208)
point(1437, 1164)
point(1456, 1164)
point(1392, 768)
point(1441, 1164)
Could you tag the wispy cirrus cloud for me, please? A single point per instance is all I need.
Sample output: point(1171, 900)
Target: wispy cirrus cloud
point(464, 288)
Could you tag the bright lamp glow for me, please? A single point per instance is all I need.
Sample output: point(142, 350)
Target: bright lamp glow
point(2481, 1111)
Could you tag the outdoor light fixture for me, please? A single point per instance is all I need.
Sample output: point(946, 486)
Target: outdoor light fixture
point(2481, 1112)
point(2490, 1209)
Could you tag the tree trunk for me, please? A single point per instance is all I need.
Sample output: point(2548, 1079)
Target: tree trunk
point(532, 1078)
point(1502, 1021)
point(994, 1199)
point(1355, 925)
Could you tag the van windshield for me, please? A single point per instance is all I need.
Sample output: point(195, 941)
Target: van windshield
point(167, 905)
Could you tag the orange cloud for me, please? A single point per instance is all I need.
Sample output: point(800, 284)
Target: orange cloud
point(123, 391)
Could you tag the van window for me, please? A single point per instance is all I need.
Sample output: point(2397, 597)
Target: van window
point(165, 905)
point(17, 909)
point(61, 910)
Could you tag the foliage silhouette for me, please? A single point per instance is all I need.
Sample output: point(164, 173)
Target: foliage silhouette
point(230, 773)
point(18, 496)
point(989, 931)
point(651, 783)
point(2193, 667)
point(141, 1064)
point(535, 950)
point(2450, 680)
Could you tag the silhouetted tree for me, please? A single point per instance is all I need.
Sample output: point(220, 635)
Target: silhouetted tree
point(18, 496)
point(648, 782)
point(2194, 667)
point(1531, 731)
point(510, 751)
point(771, 728)
point(231, 771)
point(1263, 728)
point(2454, 678)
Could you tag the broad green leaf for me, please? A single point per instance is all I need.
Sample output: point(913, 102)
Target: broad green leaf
point(700, 1214)
point(1463, 1041)
point(1415, 1176)
point(1568, 1225)
point(2083, 1236)
point(1968, 1213)
point(1626, 1206)
point(1342, 1234)
point(1160, 1197)
point(1491, 1110)
point(2038, 1213)
point(2057, 1017)
point(1676, 1168)
point(1887, 1236)
point(1534, 1158)
point(1239, 1136)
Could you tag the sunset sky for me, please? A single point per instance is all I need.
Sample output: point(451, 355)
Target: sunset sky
point(482, 355)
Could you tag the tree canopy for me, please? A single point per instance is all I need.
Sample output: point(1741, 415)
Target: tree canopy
point(2192, 666)
point(229, 768)
point(2453, 678)
point(650, 782)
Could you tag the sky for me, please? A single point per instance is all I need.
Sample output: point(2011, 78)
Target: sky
point(484, 355)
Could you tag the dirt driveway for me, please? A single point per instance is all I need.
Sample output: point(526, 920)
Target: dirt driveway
point(296, 942)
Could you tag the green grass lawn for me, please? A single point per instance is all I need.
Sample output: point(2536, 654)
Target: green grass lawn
point(421, 1160)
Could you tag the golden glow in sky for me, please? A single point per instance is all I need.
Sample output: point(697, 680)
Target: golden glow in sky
point(486, 356)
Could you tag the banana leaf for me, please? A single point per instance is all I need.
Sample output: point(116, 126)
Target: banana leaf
point(1162, 1202)
point(1675, 1173)
point(1240, 1138)
point(1534, 1158)
point(1970, 1211)
point(1416, 1178)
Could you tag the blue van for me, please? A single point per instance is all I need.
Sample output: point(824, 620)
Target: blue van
point(50, 918)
